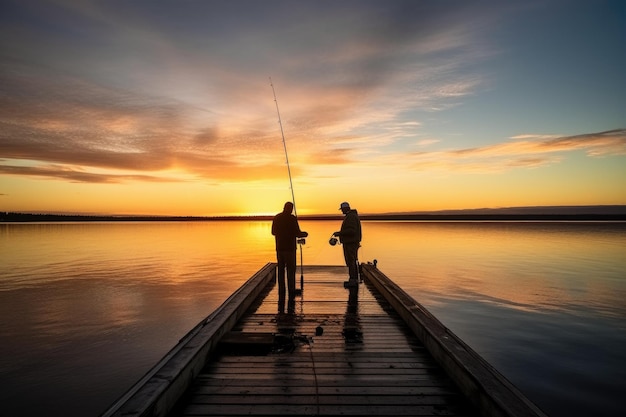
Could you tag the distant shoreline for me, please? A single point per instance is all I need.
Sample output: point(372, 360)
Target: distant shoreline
point(40, 218)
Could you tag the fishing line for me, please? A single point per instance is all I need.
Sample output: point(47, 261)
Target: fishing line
point(293, 196)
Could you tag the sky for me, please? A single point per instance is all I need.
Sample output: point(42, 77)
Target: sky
point(176, 107)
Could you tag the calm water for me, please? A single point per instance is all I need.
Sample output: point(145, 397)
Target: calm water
point(87, 308)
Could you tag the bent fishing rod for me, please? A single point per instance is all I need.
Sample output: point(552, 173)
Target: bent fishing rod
point(293, 197)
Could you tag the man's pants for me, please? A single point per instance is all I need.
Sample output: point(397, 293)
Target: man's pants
point(286, 260)
point(350, 254)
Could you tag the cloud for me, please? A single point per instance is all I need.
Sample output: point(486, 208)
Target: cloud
point(595, 144)
point(76, 175)
point(149, 88)
point(336, 157)
point(533, 136)
point(60, 121)
point(530, 152)
point(612, 142)
point(427, 142)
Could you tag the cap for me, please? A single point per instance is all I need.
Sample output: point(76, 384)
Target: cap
point(344, 205)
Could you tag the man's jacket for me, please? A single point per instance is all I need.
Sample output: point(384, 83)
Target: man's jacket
point(286, 229)
point(350, 228)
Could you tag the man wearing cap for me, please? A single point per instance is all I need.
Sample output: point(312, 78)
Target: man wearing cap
point(286, 230)
point(350, 238)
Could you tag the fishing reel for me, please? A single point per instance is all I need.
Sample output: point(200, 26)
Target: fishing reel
point(333, 240)
point(301, 241)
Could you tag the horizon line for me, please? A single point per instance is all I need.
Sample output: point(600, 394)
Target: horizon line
point(616, 211)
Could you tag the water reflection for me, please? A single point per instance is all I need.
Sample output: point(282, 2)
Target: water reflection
point(523, 265)
point(542, 301)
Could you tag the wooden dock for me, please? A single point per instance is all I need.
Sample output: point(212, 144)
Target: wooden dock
point(365, 351)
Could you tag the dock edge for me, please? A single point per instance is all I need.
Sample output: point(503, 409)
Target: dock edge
point(480, 382)
point(157, 392)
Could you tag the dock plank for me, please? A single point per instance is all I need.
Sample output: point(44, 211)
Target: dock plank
point(365, 361)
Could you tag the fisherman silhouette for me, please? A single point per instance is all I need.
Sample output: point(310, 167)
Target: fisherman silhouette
point(286, 230)
point(350, 237)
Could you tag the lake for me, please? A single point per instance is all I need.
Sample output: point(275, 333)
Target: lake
point(87, 308)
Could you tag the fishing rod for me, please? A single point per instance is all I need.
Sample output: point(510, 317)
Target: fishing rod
point(293, 196)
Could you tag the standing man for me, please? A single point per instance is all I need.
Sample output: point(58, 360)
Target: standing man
point(286, 230)
point(350, 237)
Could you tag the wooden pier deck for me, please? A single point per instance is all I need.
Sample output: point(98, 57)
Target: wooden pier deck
point(365, 351)
point(341, 352)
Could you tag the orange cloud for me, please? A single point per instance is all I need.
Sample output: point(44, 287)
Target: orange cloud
point(77, 175)
point(532, 151)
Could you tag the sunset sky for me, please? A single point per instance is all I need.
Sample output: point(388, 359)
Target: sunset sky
point(166, 107)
